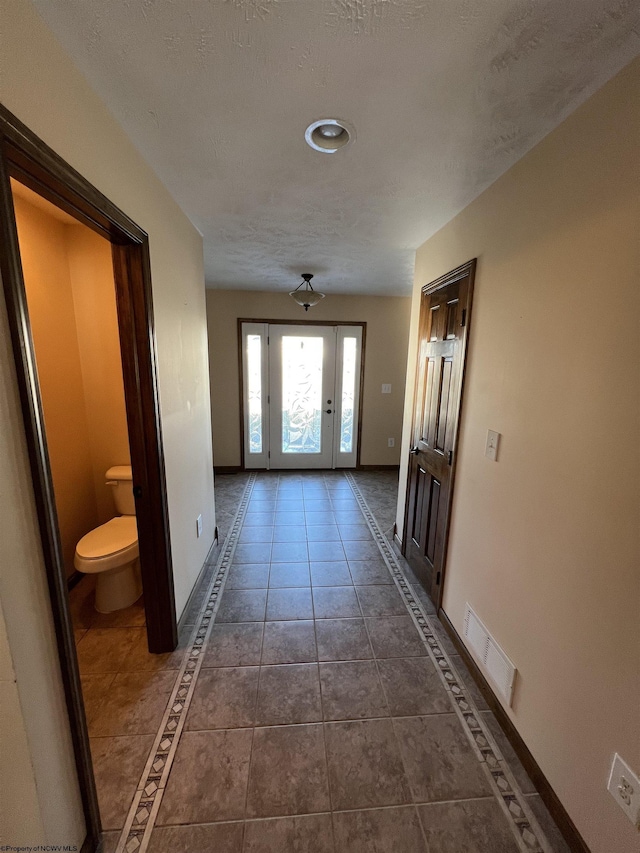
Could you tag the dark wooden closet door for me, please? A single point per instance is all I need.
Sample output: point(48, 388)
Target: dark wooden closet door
point(444, 315)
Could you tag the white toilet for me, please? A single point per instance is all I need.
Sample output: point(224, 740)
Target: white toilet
point(111, 550)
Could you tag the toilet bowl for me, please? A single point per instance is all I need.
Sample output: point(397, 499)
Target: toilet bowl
point(110, 551)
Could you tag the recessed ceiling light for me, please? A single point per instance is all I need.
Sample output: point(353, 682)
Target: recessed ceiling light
point(328, 135)
point(330, 131)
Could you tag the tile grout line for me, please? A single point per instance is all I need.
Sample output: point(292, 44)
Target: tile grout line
point(413, 805)
point(523, 823)
point(323, 721)
point(257, 704)
point(143, 812)
point(413, 802)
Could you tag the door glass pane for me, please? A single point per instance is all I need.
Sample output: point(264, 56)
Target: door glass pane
point(348, 394)
point(301, 394)
point(254, 392)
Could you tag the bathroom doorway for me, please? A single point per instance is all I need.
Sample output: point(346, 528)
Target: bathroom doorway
point(33, 176)
point(71, 300)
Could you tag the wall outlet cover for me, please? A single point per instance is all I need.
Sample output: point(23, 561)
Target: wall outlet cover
point(391, 442)
point(491, 447)
point(386, 389)
point(624, 787)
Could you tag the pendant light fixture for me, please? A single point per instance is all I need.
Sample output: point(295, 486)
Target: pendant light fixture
point(307, 297)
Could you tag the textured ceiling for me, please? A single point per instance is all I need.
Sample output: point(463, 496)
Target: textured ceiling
point(444, 96)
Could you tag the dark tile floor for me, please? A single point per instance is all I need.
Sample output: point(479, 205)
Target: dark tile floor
point(125, 691)
point(318, 723)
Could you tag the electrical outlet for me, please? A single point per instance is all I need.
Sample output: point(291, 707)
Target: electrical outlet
point(491, 447)
point(386, 389)
point(391, 442)
point(199, 526)
point(624, 787)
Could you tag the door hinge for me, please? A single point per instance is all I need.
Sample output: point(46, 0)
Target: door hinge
point(463, 321)
point(269, 339)
point(438, 579)
point(450, 457)
point(268, 399)
point(268, 454)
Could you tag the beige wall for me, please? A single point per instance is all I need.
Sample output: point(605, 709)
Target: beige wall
point(387, 320)
point(46, 91)
point(19, 812)
point(544, 543)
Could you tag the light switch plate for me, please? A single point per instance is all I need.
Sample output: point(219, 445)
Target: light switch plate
point(624, 787)
point(491, 448)
point(386, 389)
point(391, 442)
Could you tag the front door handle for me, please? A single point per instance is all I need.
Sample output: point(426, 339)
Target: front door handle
point(414, 450)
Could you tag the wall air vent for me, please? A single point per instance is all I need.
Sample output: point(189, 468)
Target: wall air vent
point(494, 661)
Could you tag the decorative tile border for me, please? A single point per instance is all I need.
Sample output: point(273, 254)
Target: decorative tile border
point(142, 815)
point(522, 821)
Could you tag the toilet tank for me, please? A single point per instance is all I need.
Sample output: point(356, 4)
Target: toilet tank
point(120, 479)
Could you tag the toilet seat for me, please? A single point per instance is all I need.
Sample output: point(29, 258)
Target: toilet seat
point(111, 545)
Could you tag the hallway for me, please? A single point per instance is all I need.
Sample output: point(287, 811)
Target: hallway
point(316, 709)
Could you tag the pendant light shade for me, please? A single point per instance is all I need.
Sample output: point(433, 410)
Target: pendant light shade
point(304, 294)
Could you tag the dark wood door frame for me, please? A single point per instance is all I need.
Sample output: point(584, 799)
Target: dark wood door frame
point(362, 325)
point(25, 157)
point(466, 270)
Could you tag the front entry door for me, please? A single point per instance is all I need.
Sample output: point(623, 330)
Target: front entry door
point(444, 322)
point(302, 368)
point(301, 394)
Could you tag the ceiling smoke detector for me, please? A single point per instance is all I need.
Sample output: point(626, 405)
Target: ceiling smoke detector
point(328, 135)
